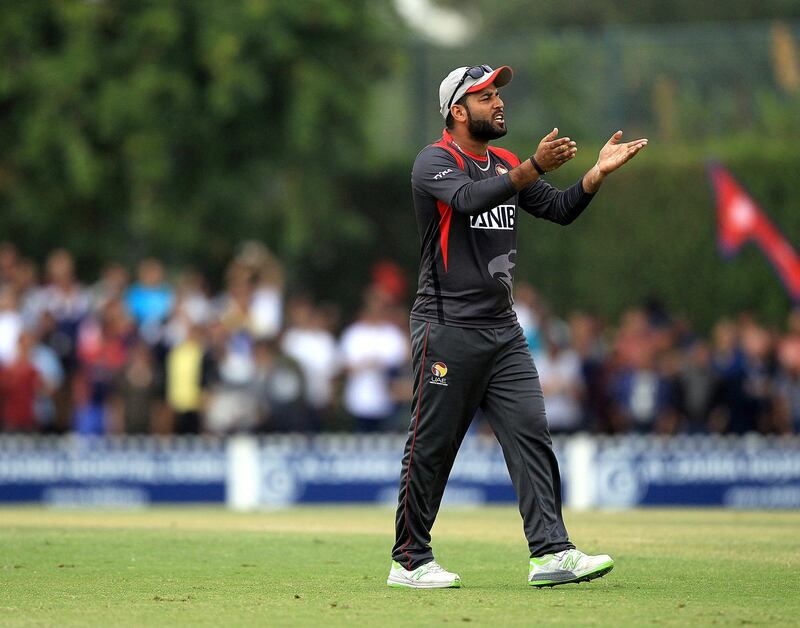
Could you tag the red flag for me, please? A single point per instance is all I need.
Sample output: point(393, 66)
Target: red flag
point(740, 220)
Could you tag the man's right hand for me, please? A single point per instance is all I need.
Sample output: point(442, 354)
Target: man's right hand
point(553, 152)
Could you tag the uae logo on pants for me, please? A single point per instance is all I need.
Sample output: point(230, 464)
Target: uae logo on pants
point(439, 370)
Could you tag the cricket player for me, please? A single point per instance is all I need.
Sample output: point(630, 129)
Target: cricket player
point(469, 352)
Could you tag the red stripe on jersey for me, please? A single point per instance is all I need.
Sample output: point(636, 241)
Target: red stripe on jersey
point(473, 155)
point(506, 155)
point(448, 143)
point(445, 213)
point(452, 151)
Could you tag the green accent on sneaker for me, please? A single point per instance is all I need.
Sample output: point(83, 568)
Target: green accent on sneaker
point(456, 584)
point(542, 560)
point(597, 572)
point(414, 579)
point(571, 561)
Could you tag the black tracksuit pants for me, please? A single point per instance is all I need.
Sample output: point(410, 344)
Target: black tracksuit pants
point(458, 371)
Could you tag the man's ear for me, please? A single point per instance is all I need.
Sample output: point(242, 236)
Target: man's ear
point(459, 113)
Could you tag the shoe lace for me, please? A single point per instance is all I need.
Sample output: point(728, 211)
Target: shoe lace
point(434, 567)
point(574, 554)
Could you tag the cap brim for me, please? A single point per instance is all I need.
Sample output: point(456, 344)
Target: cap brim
point(500, 77)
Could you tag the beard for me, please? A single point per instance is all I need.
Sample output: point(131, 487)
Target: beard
point(484, 130)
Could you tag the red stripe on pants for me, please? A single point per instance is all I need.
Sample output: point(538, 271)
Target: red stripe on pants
point(414, 440)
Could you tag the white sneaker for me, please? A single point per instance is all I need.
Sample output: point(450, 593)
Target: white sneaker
point(567, 566)
point(428, 576)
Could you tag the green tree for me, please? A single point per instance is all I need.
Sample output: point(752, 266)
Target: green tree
point(179, 127)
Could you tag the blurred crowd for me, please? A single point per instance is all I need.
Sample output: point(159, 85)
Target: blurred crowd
point(150, 352)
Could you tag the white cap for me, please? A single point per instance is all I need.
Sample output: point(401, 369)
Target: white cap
point(453, 82)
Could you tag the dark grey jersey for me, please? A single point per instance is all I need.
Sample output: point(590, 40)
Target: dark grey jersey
point(467, 212)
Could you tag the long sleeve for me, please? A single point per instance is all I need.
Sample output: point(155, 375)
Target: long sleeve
point(542, 200)
point(436, 173)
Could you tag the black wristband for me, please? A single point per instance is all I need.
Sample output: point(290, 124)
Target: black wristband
point(536, 166)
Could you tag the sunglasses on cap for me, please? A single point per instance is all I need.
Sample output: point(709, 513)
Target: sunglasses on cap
point(475, 72)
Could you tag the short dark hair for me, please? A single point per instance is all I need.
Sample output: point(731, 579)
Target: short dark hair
point(448, 121)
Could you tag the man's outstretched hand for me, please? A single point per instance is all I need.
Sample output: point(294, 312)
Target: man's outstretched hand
point(612, 156)
point(616, 153)
point(553, 152)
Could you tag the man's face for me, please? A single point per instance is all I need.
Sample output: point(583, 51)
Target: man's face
point(485, 115)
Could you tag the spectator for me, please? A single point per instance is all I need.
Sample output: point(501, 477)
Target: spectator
point(529, 314)
point(389, 278)
point(47, 364)
point(313, 347)
point(266, 309)
point(103, 352)
point(265, 274)
point(754, 407)
point(279, 389)
point(371, 348)
point(787, 386)
point(701, 385)
point(30, 297)
point(672, 415)
point(8, 262)
point(112, 285)
point(19, 384)
point(232, 307)
point(653, 375)
point(586, 340)
point(232, 406)
point(641, 396)
point(10, 325)
point(66, 300)
point(192, 307)
point(150, 300)
point(187, 374)
point(634, 338)
point(728, 362)
point(138, 390)
point(559, 370)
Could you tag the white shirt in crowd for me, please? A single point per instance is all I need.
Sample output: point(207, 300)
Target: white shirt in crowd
point(560, 376)
point(316, 352)
point(10, 330)
point(266, 310)
point(369, 351)
point(70, 305)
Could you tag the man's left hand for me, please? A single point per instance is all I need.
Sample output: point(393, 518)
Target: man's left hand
point(615, 153)
point(612, 156)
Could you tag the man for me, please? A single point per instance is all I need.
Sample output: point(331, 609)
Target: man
point(468, 350)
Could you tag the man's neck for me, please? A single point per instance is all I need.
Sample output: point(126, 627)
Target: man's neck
point(468, 143)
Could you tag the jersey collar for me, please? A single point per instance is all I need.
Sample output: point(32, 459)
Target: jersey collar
point(448, 139)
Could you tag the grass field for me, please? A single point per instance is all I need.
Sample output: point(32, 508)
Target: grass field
point(328, 566)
